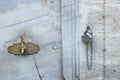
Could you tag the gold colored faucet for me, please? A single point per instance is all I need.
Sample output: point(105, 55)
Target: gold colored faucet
point(23, 46)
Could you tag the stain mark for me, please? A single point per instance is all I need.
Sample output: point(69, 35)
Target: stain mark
point(40, 77)
point(114, 70)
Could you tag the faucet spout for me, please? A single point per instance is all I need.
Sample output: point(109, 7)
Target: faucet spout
point(23, 46)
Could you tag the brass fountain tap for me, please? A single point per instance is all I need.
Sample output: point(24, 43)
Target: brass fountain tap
point(23, 48)
point(23, 45)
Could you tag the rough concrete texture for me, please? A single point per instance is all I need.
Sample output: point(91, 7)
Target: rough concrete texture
point(103, 17)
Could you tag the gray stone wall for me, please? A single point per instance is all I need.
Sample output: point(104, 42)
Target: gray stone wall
point(56, 26)
point(103, 17)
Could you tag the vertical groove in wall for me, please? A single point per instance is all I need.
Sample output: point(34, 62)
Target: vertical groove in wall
point(62, 72)
point(75, 40)
point(74, 54)
point(78, 38)
point(104, 51)
point(80, 43)
point(72, 40)
point(74, 36)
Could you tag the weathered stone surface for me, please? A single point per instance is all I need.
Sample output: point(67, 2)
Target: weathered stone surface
point(113, 1)
point(23, 13)
point(13, 66)
point(96, 72)
point(49, 61)
point(93, 17)
point(112, 69)
point(66, 13)
point(70, 39)
point(112, 18)
point(93, 1)
point(112, 57)
point(65, 3)
point(66, 49)
point(40, 21)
